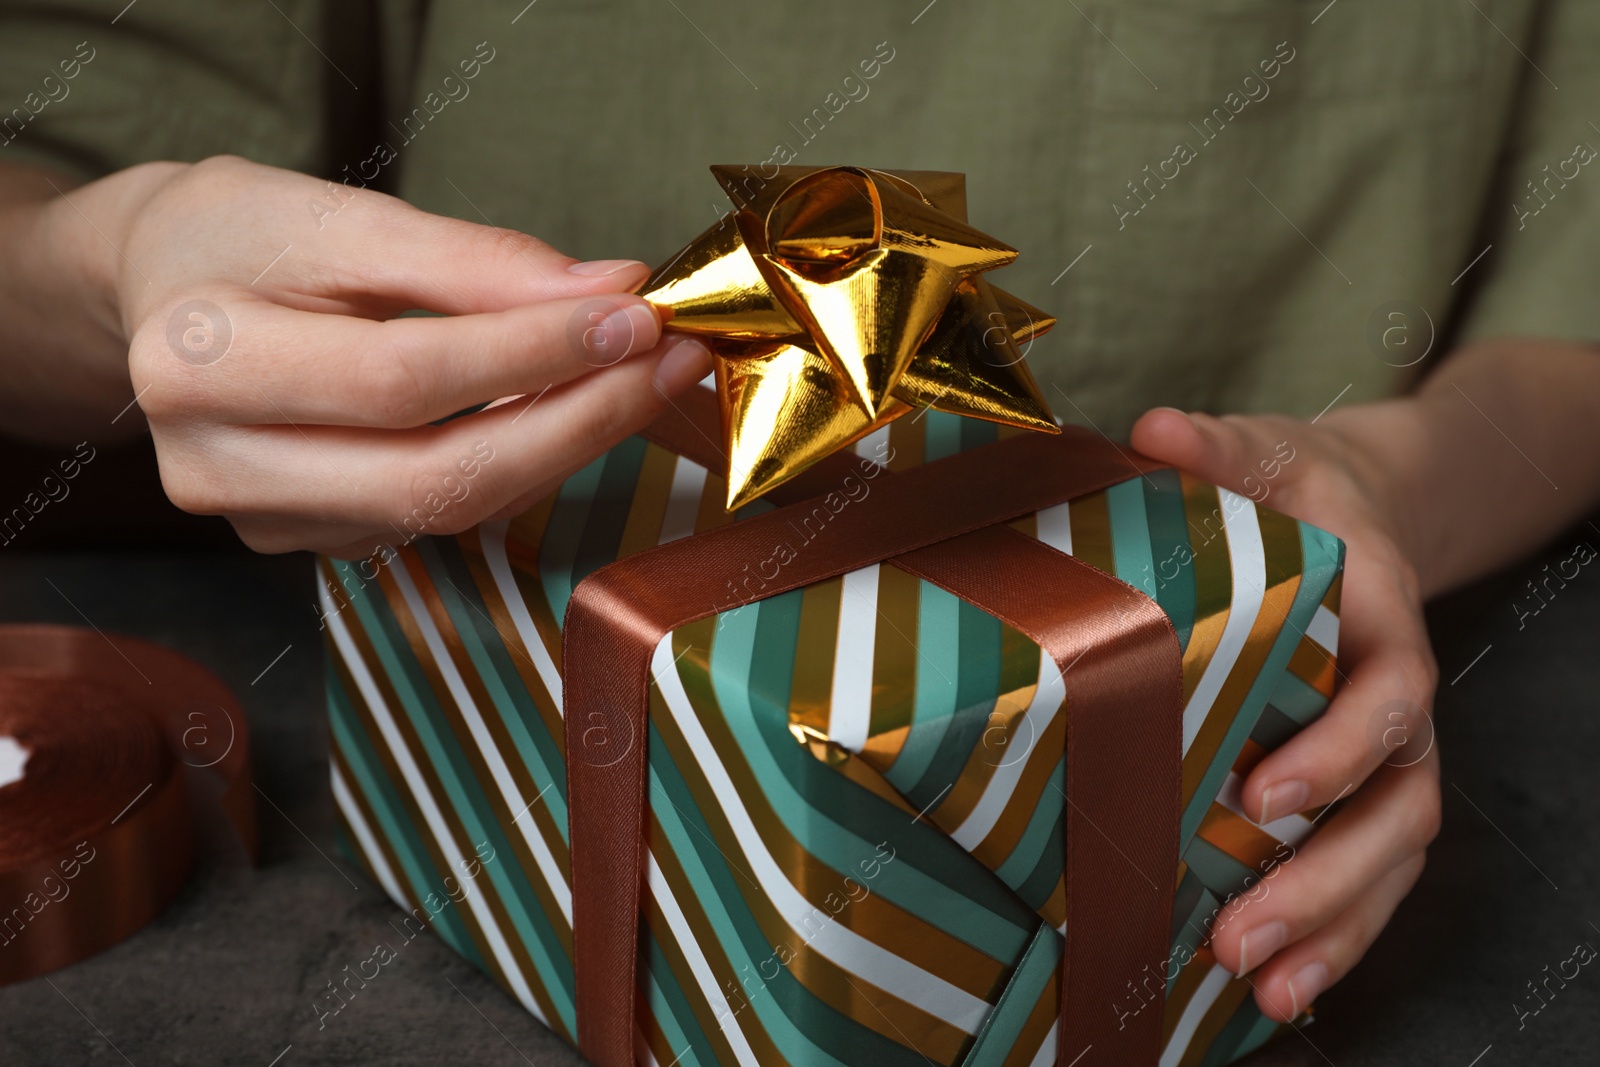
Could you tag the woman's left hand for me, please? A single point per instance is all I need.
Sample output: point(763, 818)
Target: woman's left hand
point(1373, 748)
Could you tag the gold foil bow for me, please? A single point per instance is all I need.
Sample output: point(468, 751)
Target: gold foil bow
point(837, 299)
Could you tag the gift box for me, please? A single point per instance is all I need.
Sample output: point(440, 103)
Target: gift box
point(812, 782)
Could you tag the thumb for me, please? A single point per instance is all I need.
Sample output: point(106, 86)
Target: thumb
point(1230, 452)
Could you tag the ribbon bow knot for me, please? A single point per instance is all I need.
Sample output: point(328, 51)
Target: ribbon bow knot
point(835, 300)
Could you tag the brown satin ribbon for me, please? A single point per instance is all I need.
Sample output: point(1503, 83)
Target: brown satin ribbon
point(95, 839)
point(939, 521)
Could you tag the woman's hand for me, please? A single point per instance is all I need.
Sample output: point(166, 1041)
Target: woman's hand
point(1373, 748)
point(254, 310)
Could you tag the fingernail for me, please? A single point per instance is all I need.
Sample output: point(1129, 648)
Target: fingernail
point(684, 364)
point(1283, 798)
point(602, 267)
point(1306, 984)
point(630, 327)
point(1259, 944)
point(1175, 411)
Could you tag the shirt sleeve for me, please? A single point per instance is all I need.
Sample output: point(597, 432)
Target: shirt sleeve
point(1545, 258)
point(87, 91)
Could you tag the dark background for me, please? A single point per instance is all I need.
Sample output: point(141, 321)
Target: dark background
point(230, 972)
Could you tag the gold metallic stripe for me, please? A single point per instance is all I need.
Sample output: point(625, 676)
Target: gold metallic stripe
point(423, 758)
point(385, 846)
point(827, 891)
point(1091, 532)
point(713, 503)
point(413, 811)
point(1280, 546)
point(894, 665)
point(1313, 666)
point(523, 540)
point(1183, 990)
point(899, 931)
point(519, 654)
point(651, 494)
point(705, 1013)
point(1028, 793)
point(499, 810)
point(1217, 1016)
point(811, 692)
point(1242, 840)
point(1041, 1020)
point(907, 444)
point(1213, 579)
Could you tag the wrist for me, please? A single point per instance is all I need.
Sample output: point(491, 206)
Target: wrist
point(1388, 449)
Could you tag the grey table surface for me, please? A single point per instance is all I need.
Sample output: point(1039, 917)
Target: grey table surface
point(229, 974)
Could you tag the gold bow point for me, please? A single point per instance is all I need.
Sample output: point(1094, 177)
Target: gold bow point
point(837, 299)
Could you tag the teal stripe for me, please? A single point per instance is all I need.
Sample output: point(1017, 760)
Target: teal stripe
point(384, 798)
point(1130, 536)
point(466, 797)
point(671, 1011)
point(1193, 910)
point(1247, 1031)
point(1218, 871)
point(1169, 548)
point(487, 650)
point(836, 821)
point(1028, 982)
point(976, 674)
point(608, 509)
point(563, 536)
point(941, 435)
point(1035, 890)
point(805, 1029)
point(1297, 700)
point(975, 433)
point(938, 641)
point(1317, 571)
point(1046, 816)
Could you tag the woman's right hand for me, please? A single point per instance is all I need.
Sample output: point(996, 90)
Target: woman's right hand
point(256, 310)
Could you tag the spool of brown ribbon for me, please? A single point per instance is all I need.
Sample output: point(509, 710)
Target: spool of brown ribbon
point(117, 740)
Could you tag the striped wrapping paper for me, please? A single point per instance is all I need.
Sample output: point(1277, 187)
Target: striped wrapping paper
point(855, 789)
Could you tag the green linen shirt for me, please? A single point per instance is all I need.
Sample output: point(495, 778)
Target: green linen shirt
point(1231, 205)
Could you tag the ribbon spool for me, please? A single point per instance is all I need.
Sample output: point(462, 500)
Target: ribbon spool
point(117, 741)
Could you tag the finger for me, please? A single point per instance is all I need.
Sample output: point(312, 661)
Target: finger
point(271, 535)
point(281, 365)
point(1241, 454)
point(431, 479)
point(1390, 819)
point(1379, 714)
point(1287, 984)
point(337, 241)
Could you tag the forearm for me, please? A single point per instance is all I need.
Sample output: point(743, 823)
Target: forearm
point(1494, 454)
point(63, 347)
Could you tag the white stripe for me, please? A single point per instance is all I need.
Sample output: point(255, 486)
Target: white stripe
point(850, 715)
point(492, 535)
point(365, 837)
point(683, 500)
point(1048, 696)
point(418, 788)
point(1249, 587)
point(1324, 629)
point(1194, 1013)
point(875, 446)
point(1047, 1051)
point(1290, 829)
point(1055, 527)
point(515, 802)
point(661, 892)
point(834, 940)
